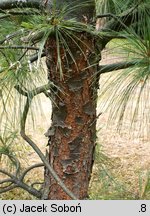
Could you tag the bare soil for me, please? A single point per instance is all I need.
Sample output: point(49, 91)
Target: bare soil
point(128, 151)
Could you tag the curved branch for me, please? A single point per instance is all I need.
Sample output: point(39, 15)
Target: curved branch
point(127, 18)
point(8, 188)
point(18, 183)
point(36, 183)
point(30, 189)
point(41, 89)
point(10, 4)
point(4, 16)
point(29, 169)
point(21, 91)
point(6, 181)
point(35, 147)
point(35, 57)
point(19, 47)
point(10, 36)
point(34, 92)
point(117, 18)
point(6, 173)
point(46, 163)
point(19, 13)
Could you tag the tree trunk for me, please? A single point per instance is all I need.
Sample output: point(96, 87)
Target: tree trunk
point(73, 131)
point(72, 134)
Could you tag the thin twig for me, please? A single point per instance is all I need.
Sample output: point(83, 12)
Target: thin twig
point(6, 181)
point(97, 117)
point(19, 47)
point(21, 91)
point(6, 173)
point(35, 57)
point(18, 183)
point(4, 190)
point(46, 163)
point(7, 60)
point(11, 36)
point(29, 169)
point(23, 54)
point(22, 13)
point(4, 16)
point(36, 183)
point(118, 18)
point(131, 10)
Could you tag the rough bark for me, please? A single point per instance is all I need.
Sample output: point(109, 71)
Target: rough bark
point(73, 131)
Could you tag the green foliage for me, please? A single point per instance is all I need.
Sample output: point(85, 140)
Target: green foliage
point(120, 6)
point(33, 31)
point(16, 69)
point(128, 89)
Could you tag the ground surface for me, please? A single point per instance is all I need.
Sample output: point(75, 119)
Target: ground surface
point(128, 150)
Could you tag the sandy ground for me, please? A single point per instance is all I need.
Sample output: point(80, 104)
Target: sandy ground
point(128, 151)
point(128, 148)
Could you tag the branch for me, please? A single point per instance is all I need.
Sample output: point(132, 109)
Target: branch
point(117, 18)
point(36, 183)
point(6, 173)
point(10, 4)
point(14, 13)
point(6, 181)
point(4, 16)
point(46, 163)
point(41, 89)
point(21, 91)
point(29, 169)
point(24, 186)
point(18, 183)
point(10, 36)
point(35, 57)
point(19, 47)
point(127, 18)
point(4, 190)
point(35, 147)
point(116, 66)
point(35, 91)
point(123, 21)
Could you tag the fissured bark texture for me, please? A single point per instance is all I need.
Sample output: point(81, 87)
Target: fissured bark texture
point(73, 131)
